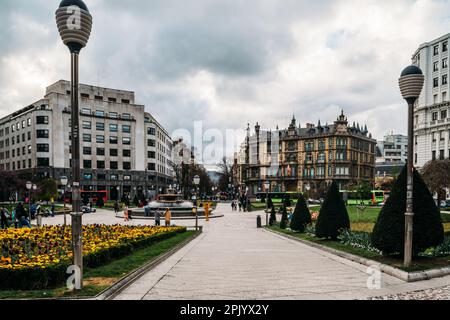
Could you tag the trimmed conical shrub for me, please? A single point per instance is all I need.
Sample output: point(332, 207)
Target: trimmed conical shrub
point(333, 216)
point(284, 218)
point(301, 217)
point(273, 217)
point(389, 231)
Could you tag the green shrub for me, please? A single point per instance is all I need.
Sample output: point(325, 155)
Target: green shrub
point(333, 216)
point(284, 218)
point(301, 217)
point(389, 231)
point(273, 217)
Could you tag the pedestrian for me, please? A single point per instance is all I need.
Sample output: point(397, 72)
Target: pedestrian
point(147, 210)
point(168, 217)
point(157, 218)
point(22, 216)
point(116, 207)
point(14, 218)
point(53, 209)
point(125, 214)
point(240, 206)
point(4, 219)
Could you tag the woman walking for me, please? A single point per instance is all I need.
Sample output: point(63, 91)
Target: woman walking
point(126, 214)
point(168, 217)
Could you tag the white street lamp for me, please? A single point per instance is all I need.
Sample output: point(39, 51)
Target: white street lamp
point(267, 187)
point(411, 83)
point(196, 183)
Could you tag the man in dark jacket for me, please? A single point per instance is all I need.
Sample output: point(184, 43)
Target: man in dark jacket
point(4, 219)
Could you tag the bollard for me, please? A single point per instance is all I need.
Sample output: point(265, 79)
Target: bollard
point(39, 220)
point(258, 222)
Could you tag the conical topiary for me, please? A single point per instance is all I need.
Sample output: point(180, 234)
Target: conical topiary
point(333, 216)
point(284, 218)
point(301, 217)
point(389, 231)
point(273, 217)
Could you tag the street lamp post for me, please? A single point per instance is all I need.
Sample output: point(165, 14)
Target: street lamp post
point(411, 83)
point(74, 24)
point(267, 186)
point(64, 181)
point(29, 185)
point(196, 183)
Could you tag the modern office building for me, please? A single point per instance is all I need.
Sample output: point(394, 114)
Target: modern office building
point(392, 149)
point(432, 111)
point(301, 158)
point(124, 150)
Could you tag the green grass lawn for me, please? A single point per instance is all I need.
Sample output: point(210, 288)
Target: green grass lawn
point(98, 279)
point(420, 263)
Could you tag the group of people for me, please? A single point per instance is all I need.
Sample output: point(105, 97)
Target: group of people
point(243, 203)
point(147, 212)
point(19, 217)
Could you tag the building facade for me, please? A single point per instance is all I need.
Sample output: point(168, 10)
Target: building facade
point(432, 110)
point(392, 149)
point(124, 150)
point(298, 159)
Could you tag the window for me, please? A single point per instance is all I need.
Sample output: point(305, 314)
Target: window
point(126, 129)
point(113, 140)
point(101, 176)
point(87, 151)
point(43, 162)
point(86, 111)
point(100, 164)
point(29, 122)
point(443, 114)
point(113, 127)
point(42, 148)
point(98, 98)
point(100, 126)
point(113, 115)
point(42, 134)
point(125, 101)
point(126, 141)
point(29, 135)
point(100, 139)
point(436, 66)
point(444, 46)
point(88, 176)
point(151, 166)
point(23, 124)
point(444, 63)
point(23, 137)
point(441, 154)
point(87, 125)
point(435, 82)
point(127, 153)
point(127, 177)
point(436, 50)
point(433, 155)
point(114, 165)
point(100, 151)
point(444, 79)
point(152, 155)
point(151, 131)
point(442, 135)
point(444, 96)
point(29, 150)
point(127, 166)
point(434, 116)
point(85, 96)
point(113, 152)
point(434, 136)
point(41, 120)
point(114, 177)
point(87, 138)
point(87, 164)
point(152, 143)
point(112, 100)
point(99, 113)
point(126, 115)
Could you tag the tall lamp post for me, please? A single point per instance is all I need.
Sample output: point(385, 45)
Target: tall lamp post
point(64, 181)
point(411, 83)
point(29, 185)
point(74, 24)
point(267, 186)
point(196, 183)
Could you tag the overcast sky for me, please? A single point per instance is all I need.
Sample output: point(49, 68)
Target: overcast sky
point(229, 62)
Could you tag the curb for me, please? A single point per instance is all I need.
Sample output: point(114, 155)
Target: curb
point(125, 282)
point(392, 271)
point(173, 219)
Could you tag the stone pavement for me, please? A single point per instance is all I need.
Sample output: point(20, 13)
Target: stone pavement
point(235, 260)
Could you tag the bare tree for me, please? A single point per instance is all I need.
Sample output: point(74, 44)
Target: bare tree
point(436, 174)
point(225, 174)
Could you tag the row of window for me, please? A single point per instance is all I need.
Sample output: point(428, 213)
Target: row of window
point(101, 98)
point(437, 46)
point(444, 65)
point(434, 155)
point(100, 126)
point(102, 114)
point(435, 115)
point(14, 140)
point(436, 135)
point(101, 139)
point(444, 81)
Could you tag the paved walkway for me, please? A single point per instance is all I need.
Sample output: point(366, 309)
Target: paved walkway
point(235, 260)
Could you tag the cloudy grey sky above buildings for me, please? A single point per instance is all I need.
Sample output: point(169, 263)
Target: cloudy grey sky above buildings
point(229, 62)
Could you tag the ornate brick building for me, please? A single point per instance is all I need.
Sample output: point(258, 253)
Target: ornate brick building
point(313, 156)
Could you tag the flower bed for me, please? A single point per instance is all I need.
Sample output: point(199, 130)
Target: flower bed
point(34, 259)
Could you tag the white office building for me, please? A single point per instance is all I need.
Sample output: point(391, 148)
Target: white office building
point(392, 149)
point(124, 150)
point(432, 112)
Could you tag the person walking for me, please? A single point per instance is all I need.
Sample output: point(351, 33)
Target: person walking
point(157, 218)
point(168, 217)
point(126, 214)
point(22, 216)
point(116, 207)
point(53, 209)
point(4, 219)
point(147, 210)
